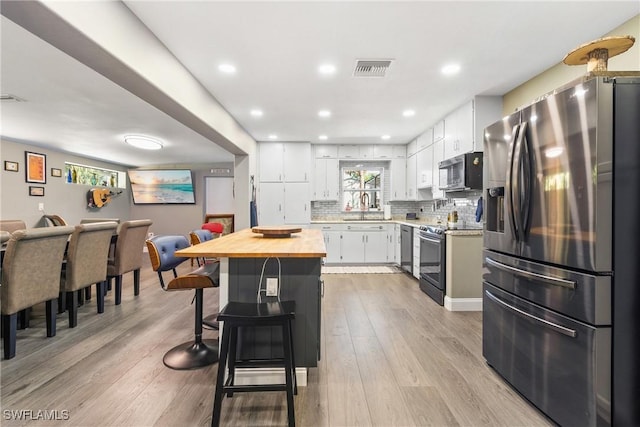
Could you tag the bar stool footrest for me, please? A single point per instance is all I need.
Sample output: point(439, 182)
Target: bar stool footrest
point(253, 387)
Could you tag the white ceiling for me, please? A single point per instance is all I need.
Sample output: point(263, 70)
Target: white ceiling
point(277, 48)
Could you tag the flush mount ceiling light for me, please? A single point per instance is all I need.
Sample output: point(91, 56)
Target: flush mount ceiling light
point(227, 68)
point(327, 69)
point(324, 113)
point(408, 113)
point(450, 69)
point(273, 136)
point(143, 142)
point(385, 137)
point(323, 137)
point(256, 113)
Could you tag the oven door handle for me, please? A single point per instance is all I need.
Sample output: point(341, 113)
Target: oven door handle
point(430, 240)
point(554, 326)
point(531, 275)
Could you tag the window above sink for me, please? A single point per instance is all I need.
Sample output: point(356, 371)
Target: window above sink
point(362, 188)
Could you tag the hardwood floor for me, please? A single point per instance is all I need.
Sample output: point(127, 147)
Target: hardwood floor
point(390, 356)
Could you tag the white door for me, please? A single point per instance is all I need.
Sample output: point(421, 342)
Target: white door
point(271, 161)
point(352, 247)
point(375, 247)
point(219, 195)
point(297, 162)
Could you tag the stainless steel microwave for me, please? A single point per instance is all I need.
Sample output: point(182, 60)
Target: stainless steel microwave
point(463, 172)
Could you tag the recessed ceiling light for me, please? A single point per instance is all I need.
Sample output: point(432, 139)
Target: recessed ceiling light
point(408, 113)
point(450, 69)
point(327, 69)
point(324, 113)
point(143, 142)
point(323, 137)
point(227, 68)
point(385, 137)
point(256, 113)
point(273, 136)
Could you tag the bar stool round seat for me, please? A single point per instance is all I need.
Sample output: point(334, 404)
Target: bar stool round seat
point(239, 314)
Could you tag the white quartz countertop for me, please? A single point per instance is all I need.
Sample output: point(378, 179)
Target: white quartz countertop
point(413, 223)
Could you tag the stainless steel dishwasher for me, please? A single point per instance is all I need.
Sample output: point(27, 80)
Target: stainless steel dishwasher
point(406, 248)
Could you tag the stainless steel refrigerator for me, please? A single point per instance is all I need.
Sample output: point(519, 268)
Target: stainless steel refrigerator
point(561, 284)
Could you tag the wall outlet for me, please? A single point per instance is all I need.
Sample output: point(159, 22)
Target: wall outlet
point(41, 207)
point(272, 286)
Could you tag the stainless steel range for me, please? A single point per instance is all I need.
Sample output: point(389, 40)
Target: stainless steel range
point(432, 262)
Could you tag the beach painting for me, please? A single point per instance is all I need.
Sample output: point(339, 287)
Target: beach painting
point(161, 186)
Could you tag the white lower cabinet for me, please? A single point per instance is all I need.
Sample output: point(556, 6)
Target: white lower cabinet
point(396, 244)
point(356, 244)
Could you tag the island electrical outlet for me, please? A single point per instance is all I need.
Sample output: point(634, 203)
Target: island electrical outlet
point(272, 286)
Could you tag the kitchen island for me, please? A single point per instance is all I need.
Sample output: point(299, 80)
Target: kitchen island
point(242, 256)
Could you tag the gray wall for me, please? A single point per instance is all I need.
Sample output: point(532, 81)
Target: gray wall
point(69, 200)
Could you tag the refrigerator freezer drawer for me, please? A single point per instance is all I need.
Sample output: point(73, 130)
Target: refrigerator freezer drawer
point(584, 297)
point(562, 366)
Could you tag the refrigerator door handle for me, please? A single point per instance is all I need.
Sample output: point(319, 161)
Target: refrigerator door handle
point(554, 326)
point(531, 275)
point(526, 164)
point(517, 183)
point(509, 190)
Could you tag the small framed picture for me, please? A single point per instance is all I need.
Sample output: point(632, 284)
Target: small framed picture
point(36, 167)
point(36, 191)
point(56, 172)
point(10, 166)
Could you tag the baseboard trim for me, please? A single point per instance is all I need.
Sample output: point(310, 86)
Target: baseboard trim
point(253, 376)
point(463, 304)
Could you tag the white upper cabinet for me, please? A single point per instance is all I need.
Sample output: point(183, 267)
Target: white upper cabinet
point(425, 140)
point(326, 151)
point(271, 161)
point(326, 180)
point(348, 152)
point(398, 173)
point(297, 162)
point(382, 152)
point(365, 151)
point(438, 156)
point(399, 151)
point(284, 161)
point(412, 190)
point(438, 131)
point(412, 148)
point(424, 167)
point(464, 127)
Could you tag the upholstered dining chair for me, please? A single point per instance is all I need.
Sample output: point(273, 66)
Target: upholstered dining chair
point(197, 353)
point(31, 275)
point(55, 220)
point(128, 254)
point(86, 264)
point(11, 225)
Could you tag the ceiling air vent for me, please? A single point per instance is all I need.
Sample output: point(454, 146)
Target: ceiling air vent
point(371, 68)
point(9, 97)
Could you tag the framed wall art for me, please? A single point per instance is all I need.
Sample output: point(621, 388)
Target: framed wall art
point(36, 167)
point(56, 172)
point(10, 166)
point(36, 191)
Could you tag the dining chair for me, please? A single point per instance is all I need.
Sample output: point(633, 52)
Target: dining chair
point(197, 237)
point(86, 264)
point(128, 254)
point(197, 353)
point(92, 220)
point(11, 225)
point(31, 275)
point(55, 220)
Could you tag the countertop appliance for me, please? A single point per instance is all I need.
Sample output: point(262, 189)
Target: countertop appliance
point(433, 257)
point(406, 248)
point(561, 199)
point(463, 172)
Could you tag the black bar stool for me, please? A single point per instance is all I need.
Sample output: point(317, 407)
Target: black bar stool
point(238, 314)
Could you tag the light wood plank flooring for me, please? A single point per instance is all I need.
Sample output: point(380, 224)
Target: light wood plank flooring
point(390, 356)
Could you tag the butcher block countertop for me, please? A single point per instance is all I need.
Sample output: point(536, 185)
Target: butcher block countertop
point(308, 243)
